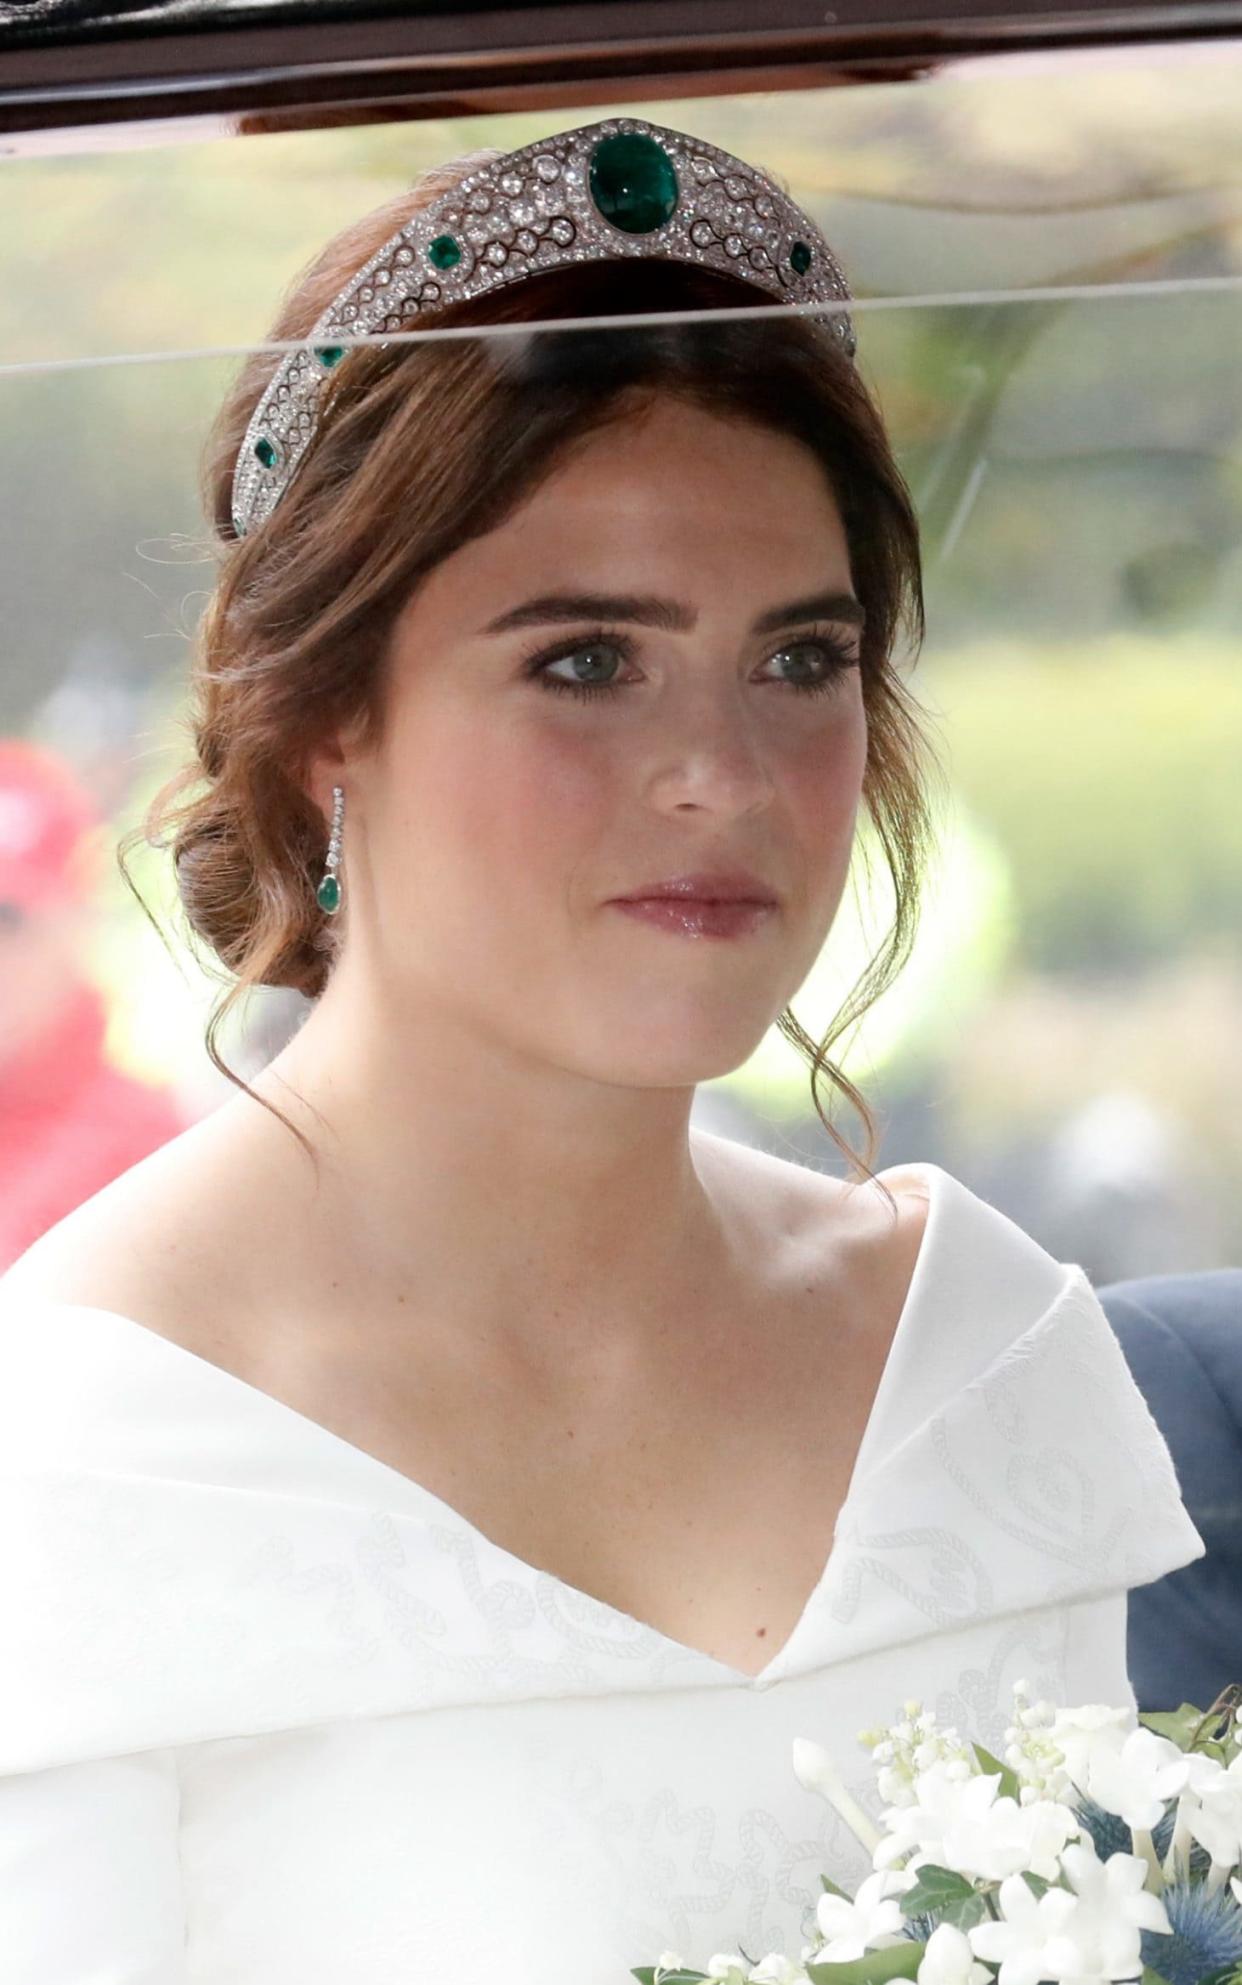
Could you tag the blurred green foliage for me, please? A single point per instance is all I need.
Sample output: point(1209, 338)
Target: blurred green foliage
point(1074, 459)
point(1111, 773)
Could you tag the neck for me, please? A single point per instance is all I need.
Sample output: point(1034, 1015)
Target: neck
point(525, 1201)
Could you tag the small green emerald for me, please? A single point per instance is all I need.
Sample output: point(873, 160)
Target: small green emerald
point(800, 257)
point(328, 894)
point(329, 355)
point(266, 452)
point(445, 251)
point(633, 182)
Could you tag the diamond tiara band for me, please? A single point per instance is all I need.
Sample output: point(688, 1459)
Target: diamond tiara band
point(621, 187)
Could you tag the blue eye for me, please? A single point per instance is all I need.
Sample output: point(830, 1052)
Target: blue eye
point(840, 657)
point(836, 656)
point(570, 652)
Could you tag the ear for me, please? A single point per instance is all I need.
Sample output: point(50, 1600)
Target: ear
point(324, 770)
point(328, 765)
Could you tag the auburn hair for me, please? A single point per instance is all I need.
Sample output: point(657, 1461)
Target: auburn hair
point(425, 444)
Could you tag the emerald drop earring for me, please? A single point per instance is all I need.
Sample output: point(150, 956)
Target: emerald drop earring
point(328, 894)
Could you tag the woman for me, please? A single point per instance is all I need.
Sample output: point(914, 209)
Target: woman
point(430, 1551)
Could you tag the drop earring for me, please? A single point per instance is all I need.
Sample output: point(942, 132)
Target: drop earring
point(328, 894)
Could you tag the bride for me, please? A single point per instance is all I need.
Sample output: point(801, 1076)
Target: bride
point(442, 1484)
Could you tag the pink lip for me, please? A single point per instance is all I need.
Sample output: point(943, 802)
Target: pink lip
point(710, 886)
point(685, 917)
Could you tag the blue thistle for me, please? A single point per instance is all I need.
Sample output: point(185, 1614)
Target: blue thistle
point(920, 1927)
point(1207, 1934)
point(1108, 1830)
point(1112, 1836)
point(1162, 1840)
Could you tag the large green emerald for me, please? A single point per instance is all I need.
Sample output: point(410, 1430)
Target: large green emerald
point(633, 182)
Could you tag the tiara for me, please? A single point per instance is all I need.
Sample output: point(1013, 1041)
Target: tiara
point(600, 193)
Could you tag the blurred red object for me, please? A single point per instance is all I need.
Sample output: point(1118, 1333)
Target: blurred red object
point(46, 817)
point(70, 1120)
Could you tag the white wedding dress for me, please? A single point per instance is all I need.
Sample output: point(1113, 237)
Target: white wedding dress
point(272, 1714)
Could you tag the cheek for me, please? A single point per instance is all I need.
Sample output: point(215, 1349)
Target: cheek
point(520, 796)
point(823, 779)
point(508, 800)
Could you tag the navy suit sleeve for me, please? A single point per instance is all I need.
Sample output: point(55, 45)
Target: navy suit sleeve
point(1182, 1338)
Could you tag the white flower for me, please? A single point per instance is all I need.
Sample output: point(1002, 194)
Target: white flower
point(777, 1970)
point(1087, 1934)
point(667, 1961)
point(1135, 1779)
point(948, 1959)
point(939, 1797)
point(961, 1824)
point(728, 1965)
point(1028, 1924)
point(1211, 1808)
point(872, 1920)
point(915, 1742)
point(1082, 1732)
point(1008, 1837)
point(1031, 1752)
point(814, 1769)
point(1100, 1937)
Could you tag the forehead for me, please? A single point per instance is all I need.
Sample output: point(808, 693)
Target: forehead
point(647, 457)
point(721, 508)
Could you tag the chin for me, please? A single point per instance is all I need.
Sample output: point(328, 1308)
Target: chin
point(673, 1059)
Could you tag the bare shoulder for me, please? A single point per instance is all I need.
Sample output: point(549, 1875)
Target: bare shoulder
point(146, 1245)
point(800, 1188)
point(845, 1228)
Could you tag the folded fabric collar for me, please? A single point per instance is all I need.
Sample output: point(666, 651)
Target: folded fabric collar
point(186, 1559)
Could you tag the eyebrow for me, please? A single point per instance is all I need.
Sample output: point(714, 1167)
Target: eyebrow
point(671, 615)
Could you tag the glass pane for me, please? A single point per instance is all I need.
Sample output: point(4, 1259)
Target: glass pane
point(1064, 1031)
point(1006, 871)
point(1095, 168)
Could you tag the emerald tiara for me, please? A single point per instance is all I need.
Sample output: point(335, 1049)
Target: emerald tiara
point(600, 193)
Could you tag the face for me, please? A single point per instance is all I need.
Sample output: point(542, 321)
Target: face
point(536, 765)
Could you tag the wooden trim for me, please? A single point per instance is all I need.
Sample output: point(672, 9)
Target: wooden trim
point(86, 84)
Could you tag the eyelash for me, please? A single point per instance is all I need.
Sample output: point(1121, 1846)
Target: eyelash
point(842, 658)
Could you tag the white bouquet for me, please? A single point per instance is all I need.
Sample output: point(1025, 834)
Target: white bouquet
point(1103, 1847)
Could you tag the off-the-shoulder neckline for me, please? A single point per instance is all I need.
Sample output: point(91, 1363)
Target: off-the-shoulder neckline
point(939, 1184)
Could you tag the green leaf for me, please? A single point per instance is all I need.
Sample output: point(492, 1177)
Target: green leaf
point(645, 1974)
point(830, 1888)
point(964, 1915)
point(1178, 1725)
point(934, 1888)
point(1037, 1884)
point(873, 1967)
point(1150, 1977)
point(1225, 1974)
point(1008, 1787)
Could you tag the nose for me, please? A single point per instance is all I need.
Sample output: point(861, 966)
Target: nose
point(712, 754)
